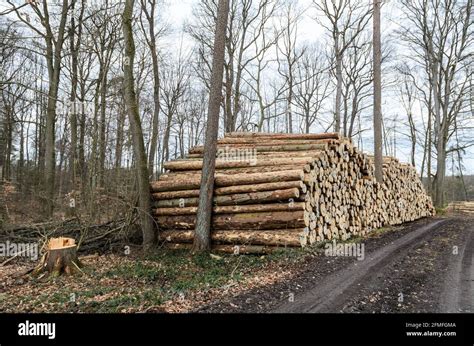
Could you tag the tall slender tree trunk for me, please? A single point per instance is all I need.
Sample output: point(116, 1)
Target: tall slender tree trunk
point(202, 239)
point(73, 114)
point(9, 142)
point(166, 138)
point(156, 111)
point(337, 111)
point(439, 136)
point(81, 145)
point(377, 94)
point(102, 129)
point(75, 109)
point(150, 16)
point(141, 165)
point(228, 96)
point(428, 152)
point(21, 159)
point(119, 139)
point(53, 58)
point(440, 170)
point(290, 103)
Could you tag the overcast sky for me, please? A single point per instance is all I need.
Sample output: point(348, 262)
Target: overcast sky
point(176, 13)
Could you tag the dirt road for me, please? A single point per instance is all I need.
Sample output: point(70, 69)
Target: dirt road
point(427, 266)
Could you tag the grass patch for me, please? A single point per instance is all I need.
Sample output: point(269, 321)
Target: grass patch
point(142, 272)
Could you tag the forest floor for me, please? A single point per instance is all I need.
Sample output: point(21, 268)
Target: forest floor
point(423, 266)
point(166, 281)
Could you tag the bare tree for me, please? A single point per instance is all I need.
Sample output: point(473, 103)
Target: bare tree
point(105, 28)
point(53, 39)
point(175, 83)
point(202, 235)
point(346, 20)
point(408, 97)
point(313, 85)
point(377, 46)
point(358, 77)
point(75, 37)
point(248, 22)
point(440, 37)
point(148, 8)
point(287, 56)
point(141, 165)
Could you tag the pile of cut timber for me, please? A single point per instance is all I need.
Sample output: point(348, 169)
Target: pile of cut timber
point(286, 190)
point(462, 207)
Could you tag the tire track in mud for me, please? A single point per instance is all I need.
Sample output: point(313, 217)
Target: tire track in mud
point(332, 293)
point(458, 292)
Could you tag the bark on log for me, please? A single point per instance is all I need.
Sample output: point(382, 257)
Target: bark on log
point(241, 170)
point(256, 135)
point(236, 199)
point(263, 148)
point(229, 249)
point(230, 190)
point(183, 165)
point(277, 237)
point(262, 221)
point(236, 209)
point(222, 180)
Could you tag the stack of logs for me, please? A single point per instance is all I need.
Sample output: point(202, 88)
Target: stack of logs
point(279, 190)
point(461, 207)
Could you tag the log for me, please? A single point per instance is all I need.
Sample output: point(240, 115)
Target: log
point(239, 170)
point(229, 249)
point(264, 148)
point(230, 190)
point(274, 154)
point(242, 148)
point(222, 180)
point(175, 194)
point(230, 141)
point(282, 185)
point(236, 209)
point(277, 237)
point(264, 220)
point(283, 135)
point(236, 199)
point(183, 165)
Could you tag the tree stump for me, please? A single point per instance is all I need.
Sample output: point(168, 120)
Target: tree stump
point(60, 258)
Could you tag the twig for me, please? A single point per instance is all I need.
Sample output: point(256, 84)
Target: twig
point(78, 267)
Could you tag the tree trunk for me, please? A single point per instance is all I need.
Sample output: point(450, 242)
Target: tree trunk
point(74, 109)
point(337, 111)
point(102, 128)
point(156, 109)
point(202, 240)
point(61, 257)
point(440, 172)
point(377, 94)
point(141, 165)
point(53, 54)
